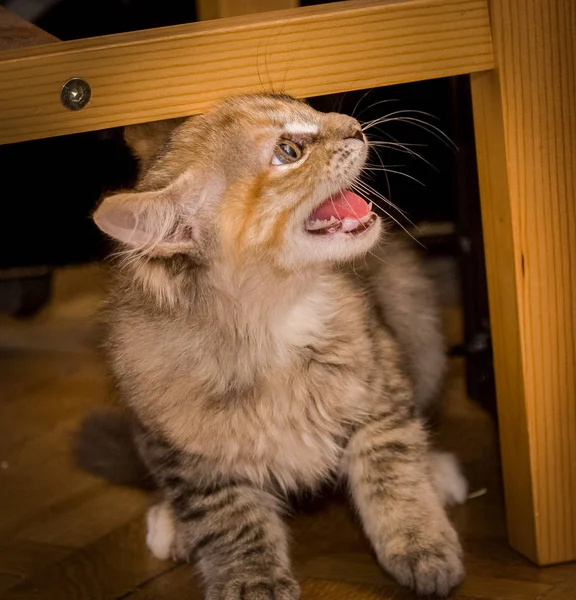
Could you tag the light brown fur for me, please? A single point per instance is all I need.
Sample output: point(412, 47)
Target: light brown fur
point(256, 362)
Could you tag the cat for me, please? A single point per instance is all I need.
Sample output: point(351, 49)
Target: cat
point(265, 334)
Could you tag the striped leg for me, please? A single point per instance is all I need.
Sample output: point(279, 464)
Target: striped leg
point(388, 468)
point(234, 533)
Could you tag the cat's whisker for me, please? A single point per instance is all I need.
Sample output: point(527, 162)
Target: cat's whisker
point(387, 117)
point(432, 129)
point(386, 170)
point(292, 59)
point(410, 111)
point(379, 258)
point(394, 219)
point(402, 148)
point(428, 127)
point(363, 188)
point(383, 167)
point(371, 192)
point(266, 64)
point(368, 189)
point(378, 103)
point(258, 69)
point(385, 174)
point(366, 94)
point(381, 142)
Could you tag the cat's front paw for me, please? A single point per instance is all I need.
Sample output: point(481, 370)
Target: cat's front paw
point(429, 563)
point(247, 586)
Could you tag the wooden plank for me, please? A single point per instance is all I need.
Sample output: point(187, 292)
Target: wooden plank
point(8, 581)
point(563, 591)
point(84, 518)
point(20, 558)
point(525, 119)
point(18, 33)
point(175, 71)
point(363, 569)
point(108, 568)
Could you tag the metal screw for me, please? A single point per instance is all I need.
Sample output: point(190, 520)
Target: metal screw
point(75, 94)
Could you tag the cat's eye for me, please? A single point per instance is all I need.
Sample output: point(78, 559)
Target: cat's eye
point(286, 152)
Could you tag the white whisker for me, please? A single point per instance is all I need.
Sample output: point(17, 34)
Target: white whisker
point(386, 170)
point(391, 216)
point(359, 101)
point(403, 148)
point(376, 104)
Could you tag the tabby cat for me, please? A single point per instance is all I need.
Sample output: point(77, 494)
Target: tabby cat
point(265, 335)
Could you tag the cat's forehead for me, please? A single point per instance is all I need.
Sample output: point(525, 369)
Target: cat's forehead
point(281, 111)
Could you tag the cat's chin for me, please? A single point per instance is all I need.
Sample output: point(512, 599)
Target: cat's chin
point(337, 244)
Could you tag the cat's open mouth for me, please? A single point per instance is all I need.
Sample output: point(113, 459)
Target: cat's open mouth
point(345, 212)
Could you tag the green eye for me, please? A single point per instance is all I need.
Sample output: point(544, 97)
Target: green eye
point(286, 152)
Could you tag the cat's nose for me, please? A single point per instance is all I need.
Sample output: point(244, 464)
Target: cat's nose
point(356, 135)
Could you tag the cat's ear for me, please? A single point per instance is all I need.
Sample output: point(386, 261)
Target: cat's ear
point(146, 139)
point(159, 221)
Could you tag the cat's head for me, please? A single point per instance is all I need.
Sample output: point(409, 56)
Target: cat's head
point(256, 178)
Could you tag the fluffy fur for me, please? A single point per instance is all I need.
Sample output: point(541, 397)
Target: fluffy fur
point(258, 359)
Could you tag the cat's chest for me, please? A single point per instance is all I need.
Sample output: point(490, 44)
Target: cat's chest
point(292, 435)
point(275, 405)
point(291, 426)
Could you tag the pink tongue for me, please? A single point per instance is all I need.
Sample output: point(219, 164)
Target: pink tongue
point(341, 205)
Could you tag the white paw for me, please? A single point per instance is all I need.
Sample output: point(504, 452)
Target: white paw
point(448, 479)
point(160, 534)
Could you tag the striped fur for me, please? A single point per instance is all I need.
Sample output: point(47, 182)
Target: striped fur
point(255, 364)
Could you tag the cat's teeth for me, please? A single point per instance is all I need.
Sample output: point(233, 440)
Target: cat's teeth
point(350, 224)
point(370, 206)
point(318, 224)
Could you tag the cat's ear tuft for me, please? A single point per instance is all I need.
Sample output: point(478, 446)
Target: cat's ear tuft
point(146, 139)
point(156, 222)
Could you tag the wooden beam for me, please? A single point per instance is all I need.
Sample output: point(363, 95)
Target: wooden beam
point(525, 119)
point(176, 71)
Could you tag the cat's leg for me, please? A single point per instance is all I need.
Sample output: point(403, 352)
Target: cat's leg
point(235, 535)
point(389, 471)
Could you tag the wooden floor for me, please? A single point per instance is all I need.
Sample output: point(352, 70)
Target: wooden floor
point(65, 535)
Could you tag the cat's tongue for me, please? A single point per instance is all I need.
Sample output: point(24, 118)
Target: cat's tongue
point(341, 206)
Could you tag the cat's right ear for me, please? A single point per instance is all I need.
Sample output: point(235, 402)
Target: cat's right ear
point(146, 139)
point(158, 222)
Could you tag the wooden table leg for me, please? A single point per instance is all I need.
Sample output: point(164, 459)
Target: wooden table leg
point(525, 122)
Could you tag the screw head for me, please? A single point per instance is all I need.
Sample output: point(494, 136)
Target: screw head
point(75, 94)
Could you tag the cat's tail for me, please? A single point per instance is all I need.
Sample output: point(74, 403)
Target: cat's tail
point(448, 479)
point(104, 447)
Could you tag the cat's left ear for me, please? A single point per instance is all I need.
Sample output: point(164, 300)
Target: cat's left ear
point(158, 222)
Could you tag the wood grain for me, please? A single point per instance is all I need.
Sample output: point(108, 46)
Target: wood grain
point(175, 71)
point(525, 119)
